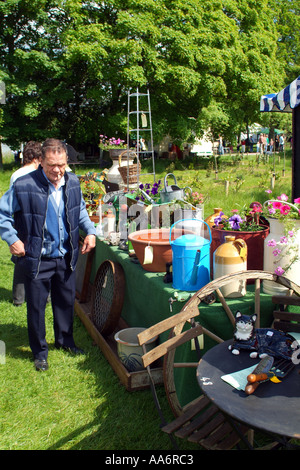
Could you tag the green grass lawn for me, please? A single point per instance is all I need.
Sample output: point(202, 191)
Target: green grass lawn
point(79, 403)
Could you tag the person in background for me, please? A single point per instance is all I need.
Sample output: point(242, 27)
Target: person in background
point(220, 147)
point(40, 218)
point(281, 143)
point(31, 159)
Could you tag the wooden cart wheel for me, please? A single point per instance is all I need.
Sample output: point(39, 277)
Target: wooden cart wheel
point(108, 296)
point(193, 303)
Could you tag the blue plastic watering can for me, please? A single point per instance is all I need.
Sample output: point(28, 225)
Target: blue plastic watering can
point(191, 257)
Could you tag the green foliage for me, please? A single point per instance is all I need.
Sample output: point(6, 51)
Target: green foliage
point(69, 65)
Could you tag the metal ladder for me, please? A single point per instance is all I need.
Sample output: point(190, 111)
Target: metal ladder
point(142, 127)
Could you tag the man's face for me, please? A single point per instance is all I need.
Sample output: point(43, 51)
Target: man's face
point(54, 165)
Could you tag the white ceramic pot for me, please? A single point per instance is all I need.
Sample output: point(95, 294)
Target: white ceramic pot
point(129, 350)
point(288, 258)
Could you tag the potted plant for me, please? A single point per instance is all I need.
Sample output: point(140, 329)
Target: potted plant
point(116, 147)
point(248, 224)
point(147, 193)
point(282, 246)
point(111, 143)
point(195, 201)
point(92, 191)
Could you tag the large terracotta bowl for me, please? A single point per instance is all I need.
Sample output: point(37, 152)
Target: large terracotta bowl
point(158, 239)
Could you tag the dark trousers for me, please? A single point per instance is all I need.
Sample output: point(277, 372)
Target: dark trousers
point(54, 275)
point(18, 285)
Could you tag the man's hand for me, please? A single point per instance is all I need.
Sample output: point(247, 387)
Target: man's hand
point(17, 249)
point(88, 244)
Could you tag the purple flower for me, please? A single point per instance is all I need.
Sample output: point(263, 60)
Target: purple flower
point(279, 271)
point(272, 242)
point(218, 220)
point(276, 252)
point(235, 221)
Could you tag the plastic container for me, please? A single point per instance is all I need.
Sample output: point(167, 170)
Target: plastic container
point(191, 256)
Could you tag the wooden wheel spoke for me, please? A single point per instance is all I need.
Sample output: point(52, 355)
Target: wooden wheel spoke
point(225, 306)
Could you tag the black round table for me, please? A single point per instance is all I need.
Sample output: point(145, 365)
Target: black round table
point(273, 407)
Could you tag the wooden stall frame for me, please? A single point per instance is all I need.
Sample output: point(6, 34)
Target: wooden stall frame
point(132, 381)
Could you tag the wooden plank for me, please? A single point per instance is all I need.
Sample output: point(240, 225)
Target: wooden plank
point(287, 316)
point(168, 323)
point(286, 299)
point(131, 380)
point(170, 344)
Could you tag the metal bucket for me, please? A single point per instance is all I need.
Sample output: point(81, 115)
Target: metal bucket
point(191, 258)
point(171, 193)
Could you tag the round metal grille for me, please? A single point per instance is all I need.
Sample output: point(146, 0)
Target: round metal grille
point(108, 296)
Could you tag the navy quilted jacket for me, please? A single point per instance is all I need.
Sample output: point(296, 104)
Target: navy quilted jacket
point(31, 192)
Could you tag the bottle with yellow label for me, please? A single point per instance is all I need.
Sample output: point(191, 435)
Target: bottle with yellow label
point(229, 258)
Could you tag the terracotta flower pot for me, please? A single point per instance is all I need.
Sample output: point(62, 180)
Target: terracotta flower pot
point(254, 241)
point(158, 239)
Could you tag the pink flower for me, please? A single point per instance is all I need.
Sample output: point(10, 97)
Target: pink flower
point(272, 242)
point(284, 210)
point(277, 205)
point(269, 191)
point(255, 209)
point(279, 271)
point(271, 210)
point(297, 201)
point(283, 240)
point(283, 197)
point(276, 252)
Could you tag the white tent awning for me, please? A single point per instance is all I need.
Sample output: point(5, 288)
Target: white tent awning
point(284, 101)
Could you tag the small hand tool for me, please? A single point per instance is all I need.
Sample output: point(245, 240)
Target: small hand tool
point(263, 367)
point(279, 370)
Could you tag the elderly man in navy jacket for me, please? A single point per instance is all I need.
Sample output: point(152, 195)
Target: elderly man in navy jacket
point(40, 218)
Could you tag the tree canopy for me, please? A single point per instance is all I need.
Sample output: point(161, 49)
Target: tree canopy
point(69, 64)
